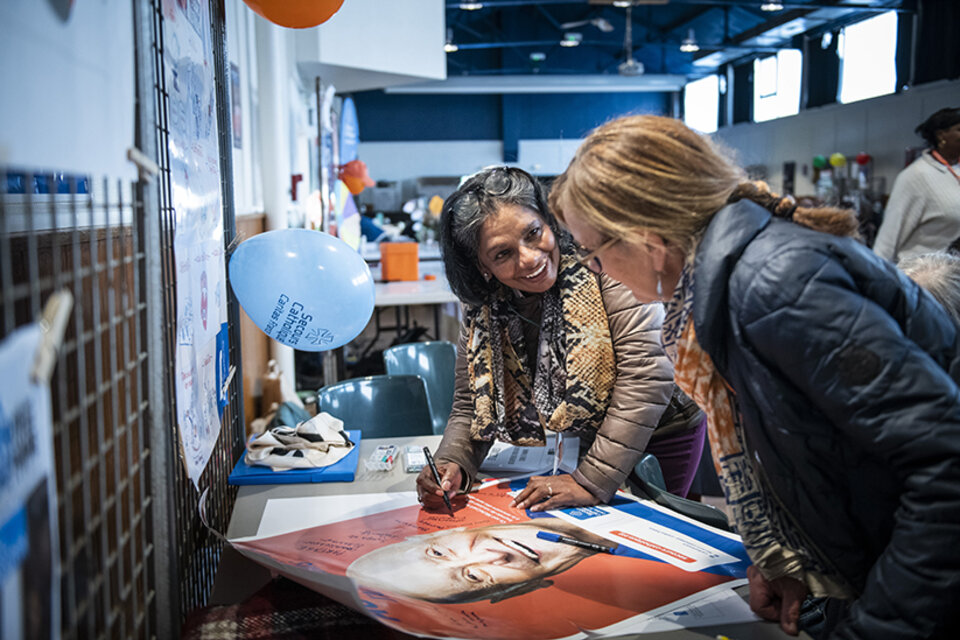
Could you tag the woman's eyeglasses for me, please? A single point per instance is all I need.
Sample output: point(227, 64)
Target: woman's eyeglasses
point(590, 259)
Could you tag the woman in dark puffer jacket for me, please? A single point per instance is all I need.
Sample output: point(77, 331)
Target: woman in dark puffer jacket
point(828, 378)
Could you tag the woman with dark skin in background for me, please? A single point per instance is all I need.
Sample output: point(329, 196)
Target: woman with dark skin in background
point(923, 212)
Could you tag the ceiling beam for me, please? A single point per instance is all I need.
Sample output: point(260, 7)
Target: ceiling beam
point(529, 43)
point(492, 4)
point(824, 4)
point(787, 5)
point(545, 83)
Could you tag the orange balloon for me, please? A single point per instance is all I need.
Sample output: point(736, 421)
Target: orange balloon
point(296, 14)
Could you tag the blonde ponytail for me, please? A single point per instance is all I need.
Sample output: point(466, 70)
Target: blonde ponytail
point(654, 174)
point(832, 220)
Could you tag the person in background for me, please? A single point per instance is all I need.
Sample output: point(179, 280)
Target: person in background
point(938, 273)
point(549, 345)
point(923, 212)
point(825, 374)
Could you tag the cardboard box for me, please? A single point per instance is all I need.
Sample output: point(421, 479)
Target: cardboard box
point(399, 261)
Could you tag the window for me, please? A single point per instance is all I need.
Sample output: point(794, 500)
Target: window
point(776, 85)
point(867, 53)
point(701, 104)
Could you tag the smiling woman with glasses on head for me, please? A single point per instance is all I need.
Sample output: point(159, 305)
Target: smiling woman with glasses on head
point(548, 345)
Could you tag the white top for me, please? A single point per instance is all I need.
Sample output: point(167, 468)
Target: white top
point(923, 213)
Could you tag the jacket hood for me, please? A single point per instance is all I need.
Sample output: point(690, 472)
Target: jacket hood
point(727, 236)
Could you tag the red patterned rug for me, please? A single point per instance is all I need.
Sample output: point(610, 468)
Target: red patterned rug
point(285, 610)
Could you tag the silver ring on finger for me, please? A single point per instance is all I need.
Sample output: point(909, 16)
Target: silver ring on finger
point(549, 491)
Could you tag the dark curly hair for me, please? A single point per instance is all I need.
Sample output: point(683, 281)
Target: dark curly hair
point(463, 215)
point(943, 119)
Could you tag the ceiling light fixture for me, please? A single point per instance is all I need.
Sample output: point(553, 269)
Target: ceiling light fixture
point(771, 6)
point(449, 45)
point(622, 4)
point(603, 24)
point(571, 39)
point(689, 44)
point(471, 6)
point(600, 23)
point(629, 67)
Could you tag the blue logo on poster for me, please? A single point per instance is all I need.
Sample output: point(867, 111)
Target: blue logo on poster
point(223, 365)
point(349, 132)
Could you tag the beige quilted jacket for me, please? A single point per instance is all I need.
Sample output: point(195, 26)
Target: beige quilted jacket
point(645, 403)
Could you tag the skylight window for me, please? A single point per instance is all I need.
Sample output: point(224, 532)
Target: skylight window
point(867, 51)
point(701, 104)
point(776, 85)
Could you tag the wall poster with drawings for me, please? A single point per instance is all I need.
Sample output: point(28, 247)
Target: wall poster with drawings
point(198, 241)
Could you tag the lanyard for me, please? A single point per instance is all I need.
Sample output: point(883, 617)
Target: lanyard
point(941, 159)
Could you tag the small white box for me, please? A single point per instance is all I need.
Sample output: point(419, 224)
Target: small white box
point(414, 459)
point(382, 458)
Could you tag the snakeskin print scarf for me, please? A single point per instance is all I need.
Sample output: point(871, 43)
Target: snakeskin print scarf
point(575, 369)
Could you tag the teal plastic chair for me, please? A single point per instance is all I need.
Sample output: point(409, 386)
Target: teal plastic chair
point(379, 406)
point(647, 482)
point(435, 362)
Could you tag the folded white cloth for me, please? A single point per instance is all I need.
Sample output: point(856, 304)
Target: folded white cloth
point(318, 442)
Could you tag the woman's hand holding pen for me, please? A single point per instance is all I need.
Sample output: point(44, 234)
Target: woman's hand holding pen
point(553, 492)
point(430, 494)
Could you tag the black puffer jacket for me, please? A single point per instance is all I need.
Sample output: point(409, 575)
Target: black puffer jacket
point(844, 372)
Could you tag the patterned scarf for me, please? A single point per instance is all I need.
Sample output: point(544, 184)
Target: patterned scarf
point(574, 370)
point(773, 543)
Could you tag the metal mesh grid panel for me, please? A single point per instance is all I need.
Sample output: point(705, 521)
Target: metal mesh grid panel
point(57, 233)
point(196, 550)
point(134, 556)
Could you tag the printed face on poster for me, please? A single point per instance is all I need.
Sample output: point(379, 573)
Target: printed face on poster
point(479, 572)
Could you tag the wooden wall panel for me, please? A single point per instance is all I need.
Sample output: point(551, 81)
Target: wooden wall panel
point(254, 344)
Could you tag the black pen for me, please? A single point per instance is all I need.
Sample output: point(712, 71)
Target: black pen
point(583, 544)
point(436, 476)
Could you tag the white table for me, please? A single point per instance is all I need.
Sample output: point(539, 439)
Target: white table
point(252, 499)
point(404, 294)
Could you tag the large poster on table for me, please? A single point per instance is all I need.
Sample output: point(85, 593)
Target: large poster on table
point(481, 571)
point(198, 241)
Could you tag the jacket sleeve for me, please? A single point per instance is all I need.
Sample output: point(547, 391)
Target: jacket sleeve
point(456, 445)
point(901, 215)
point(885, 384)
point(641, 393)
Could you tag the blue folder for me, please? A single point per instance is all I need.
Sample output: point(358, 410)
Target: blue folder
point(343, 470)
